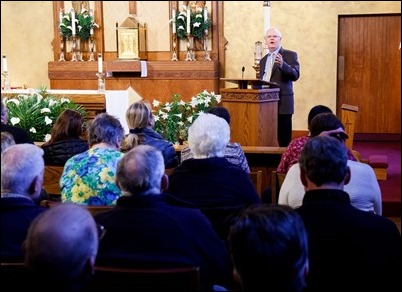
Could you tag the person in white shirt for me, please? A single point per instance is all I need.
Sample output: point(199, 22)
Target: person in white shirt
point(363, 188)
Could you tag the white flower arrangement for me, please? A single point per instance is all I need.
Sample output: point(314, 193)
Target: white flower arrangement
point(84, 22)
point(36, 112)
point(172, 119)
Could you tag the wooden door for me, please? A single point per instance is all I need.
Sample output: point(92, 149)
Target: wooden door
point(369, 71)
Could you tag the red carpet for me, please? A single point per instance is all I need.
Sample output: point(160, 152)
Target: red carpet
point(390, 188)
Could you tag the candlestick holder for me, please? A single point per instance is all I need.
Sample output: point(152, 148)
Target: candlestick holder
point(75, 56)
point(61, 56)
point(101, 81)
point(91, 48)
point(174, 55)
point(190, 44)
point(206, 57)
point(6, 81)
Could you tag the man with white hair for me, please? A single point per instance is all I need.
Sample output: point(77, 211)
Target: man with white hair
point(282, 67)
point(22, 168)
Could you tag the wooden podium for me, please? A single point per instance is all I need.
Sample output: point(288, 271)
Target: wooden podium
point(253, 108)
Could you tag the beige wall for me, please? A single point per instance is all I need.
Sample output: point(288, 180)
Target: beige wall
point(308, 27)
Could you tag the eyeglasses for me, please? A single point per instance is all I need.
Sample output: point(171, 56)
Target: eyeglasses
point(340, 136)
point(101, 231)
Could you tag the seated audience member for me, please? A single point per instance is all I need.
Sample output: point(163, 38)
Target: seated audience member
point(61, 248)
point(140, 121)
point(292, 152)
point(65, 139)
point(19, 134)
point(22, 169)
point(89, 177)
point(269, 251)
point(7, 140)
point(233, 151)
point(209, 180)
point(363, 188)
point(150, 229)
point(349, 249)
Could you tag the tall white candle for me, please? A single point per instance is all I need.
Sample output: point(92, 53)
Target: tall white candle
point(5, 68)
point(188, 20)
point(73, 22)
point(206, 17)
point(174, 20)
point(61, 16)
point(91, 13)
point(100, 63)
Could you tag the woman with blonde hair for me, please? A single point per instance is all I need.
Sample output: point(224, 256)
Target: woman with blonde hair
point(140, 122)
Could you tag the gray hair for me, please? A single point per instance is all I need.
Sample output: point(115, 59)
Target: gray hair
point(107, 129)
point(277, 31)
point(208, 136)
point(20, 165)
point(324, 160)
point(140, 171)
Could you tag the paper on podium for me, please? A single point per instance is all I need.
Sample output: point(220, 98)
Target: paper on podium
point(117, 102)
point(244, 83)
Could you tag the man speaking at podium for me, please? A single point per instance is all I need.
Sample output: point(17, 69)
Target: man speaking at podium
point(282, 67)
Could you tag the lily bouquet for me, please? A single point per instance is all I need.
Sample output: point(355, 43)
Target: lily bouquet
point(36, 112)
point(172, 119)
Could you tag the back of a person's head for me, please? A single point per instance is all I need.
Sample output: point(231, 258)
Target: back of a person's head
point(61, 246)
point(315, 111)
point(20, 165)
point(68, 125)
point(140, 171)
point(208, 136)
point(324, 122)
point(107, 129)
point(7, 140)
point(138, 115)
point(221, 112)
point(324, 160)
point(3, 112)
point(269, 250)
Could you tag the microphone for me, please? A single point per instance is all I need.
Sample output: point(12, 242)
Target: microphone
point(242, 72)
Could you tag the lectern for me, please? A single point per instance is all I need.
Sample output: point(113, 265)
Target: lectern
point(253, 107)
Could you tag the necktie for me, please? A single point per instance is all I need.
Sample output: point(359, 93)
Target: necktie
point(270, 65)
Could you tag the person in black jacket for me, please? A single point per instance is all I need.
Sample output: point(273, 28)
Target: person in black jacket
point(140, 121)
point(65, 141)
point(349, 249)
point(19, 134)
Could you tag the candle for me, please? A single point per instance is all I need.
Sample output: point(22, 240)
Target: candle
point(73, 22)
point(174, 20)
point(5, 69)
point(206, 17)
point(61, 16)
point(100, 63)
point(188, 20)
point(91, 14)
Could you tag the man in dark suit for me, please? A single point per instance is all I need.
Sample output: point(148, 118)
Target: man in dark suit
point(19, 134)
point(349, 249)
point(149, 228)
point(282, 67)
